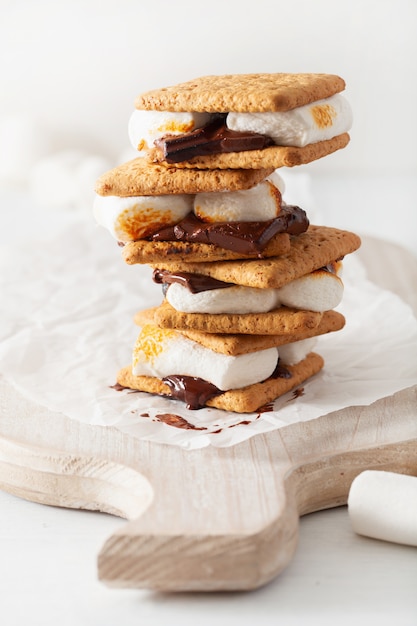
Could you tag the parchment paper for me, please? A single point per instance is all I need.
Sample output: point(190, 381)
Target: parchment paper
point(67, 327)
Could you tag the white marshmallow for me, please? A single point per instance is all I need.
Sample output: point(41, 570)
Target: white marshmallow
point(146, 126)
point(319, 291)
point(66, 179)
point(260, 203)
point(292, 353)
point(89, 169)
point(129, 219)
point(236, 299)
point(159, 352)
point(298, 127)
point(24, 141)
point(383, 505)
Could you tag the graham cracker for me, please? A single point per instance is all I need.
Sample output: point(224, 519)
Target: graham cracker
point(309, 251)
point(281, 321)
point(235, 344)
point(242, 92)
point(143, 251)
point(274, 156)
point(245, 400)
point(139, 177)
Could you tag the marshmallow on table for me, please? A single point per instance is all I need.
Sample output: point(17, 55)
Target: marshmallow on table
point(298, 127)
point(24, 141)
point(66, 179)
point(160, 352)
point(383, 505)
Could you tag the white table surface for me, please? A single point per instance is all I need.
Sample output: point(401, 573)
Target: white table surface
point(48, 555)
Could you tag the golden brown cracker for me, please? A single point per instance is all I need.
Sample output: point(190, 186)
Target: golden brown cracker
point(309, 251)
point(280, 321)
point(143, 251)
point(242, 92)
point(139, 177)
point(274, 156)
point(235, 344)
point(245, 400)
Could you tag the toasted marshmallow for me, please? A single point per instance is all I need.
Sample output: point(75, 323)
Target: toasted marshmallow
point(292, 353)
point(160, 352)
point(319, 291)
point(298, 127)
point(235, 299)
point(261, 203)
point(276, 179)
point(146, 126)
point(130, 219)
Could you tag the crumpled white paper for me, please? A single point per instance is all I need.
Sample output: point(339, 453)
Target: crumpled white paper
point(67, 327)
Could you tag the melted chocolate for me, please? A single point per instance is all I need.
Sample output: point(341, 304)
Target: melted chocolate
point(193, 391)
point(241, 237)
point(214, 138)
point(281, 372)
point(177, 421)
point(195, 283)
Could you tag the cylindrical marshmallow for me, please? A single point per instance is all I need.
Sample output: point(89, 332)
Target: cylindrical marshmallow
point(318, 291)
point(160, 352)
point(383, 505)
point(292, 353)
point(231, 300)
point(261, 203)
point(310, 123)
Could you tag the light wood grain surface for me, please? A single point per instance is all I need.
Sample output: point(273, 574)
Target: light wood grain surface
point(210, 519)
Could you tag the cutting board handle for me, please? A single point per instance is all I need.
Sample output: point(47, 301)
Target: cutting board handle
point(73, 481)
point(149, 553)
point(160, 551)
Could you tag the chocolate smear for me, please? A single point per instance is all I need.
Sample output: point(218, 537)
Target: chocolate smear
point(117, 387)
point(241, 237)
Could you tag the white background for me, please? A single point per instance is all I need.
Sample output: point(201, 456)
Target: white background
point(78, 64)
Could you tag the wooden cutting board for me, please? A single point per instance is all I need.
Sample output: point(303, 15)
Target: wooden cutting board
point(215, 518)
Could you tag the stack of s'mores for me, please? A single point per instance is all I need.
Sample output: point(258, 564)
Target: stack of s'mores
point(248, 284)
